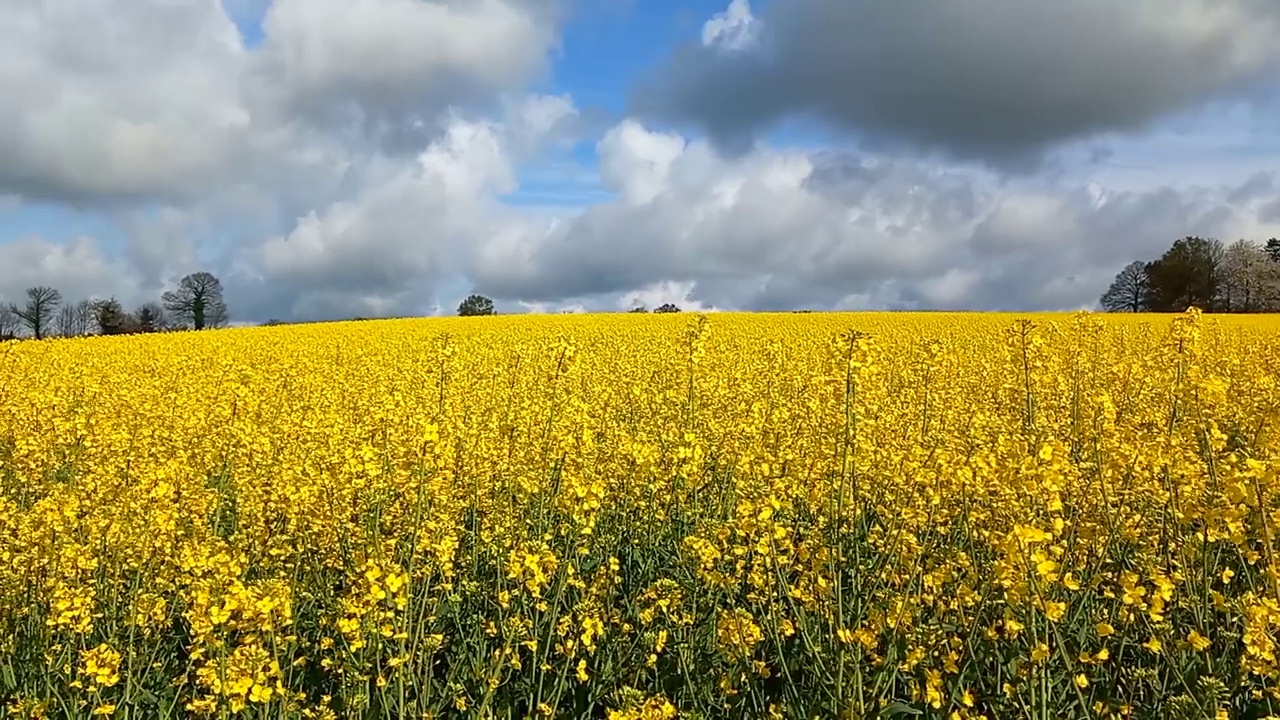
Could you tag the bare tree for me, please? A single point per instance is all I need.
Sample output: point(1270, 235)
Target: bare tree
point(1128, 292)
point(9, 323)
point(64, 321)
point(39, 312)
point(84, 317)
point(198, 301)
point(74, 320)
point(1267, 278)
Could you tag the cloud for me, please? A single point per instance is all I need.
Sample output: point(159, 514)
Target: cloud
point(999, 81)
point(117, 100)
point(1258, 185)
point(392, 67)
point(78, 263)
point(159, 248)
point(657, 294)
point(772, 229)
point(538, 124)
point(326, 166)
point(1270, 212)
point(139, 100)
point(636, 163)
point(776, 229)
point(362, 159)
point(734, 29)
point(388, 248)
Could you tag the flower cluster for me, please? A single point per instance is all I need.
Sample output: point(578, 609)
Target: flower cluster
point(636, 516)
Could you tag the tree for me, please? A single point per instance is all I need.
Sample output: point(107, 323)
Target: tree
point(197, 301)
point(1187, 274)
point(667, 308)
point(74, 320)
point(1273, 249)
point(9, 323)
point(1248, 278)
point(476, 305)
point(38, 313)
point(639, 309)
point(1128, 292)
point(110, 318)
point(150, 318)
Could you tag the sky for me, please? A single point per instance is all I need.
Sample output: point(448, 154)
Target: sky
point(342, 158)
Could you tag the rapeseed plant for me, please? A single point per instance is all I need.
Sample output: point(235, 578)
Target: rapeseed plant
point(784, 516)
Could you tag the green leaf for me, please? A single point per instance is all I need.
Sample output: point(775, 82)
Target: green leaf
point(898, 708)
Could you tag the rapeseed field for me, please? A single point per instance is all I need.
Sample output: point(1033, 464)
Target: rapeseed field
point(639, 516)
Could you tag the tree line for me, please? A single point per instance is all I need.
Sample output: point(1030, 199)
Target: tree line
point(196, 304)
point(1243, 277)
point(1202, 272)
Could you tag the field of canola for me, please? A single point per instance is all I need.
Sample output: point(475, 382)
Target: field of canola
point(640, 516)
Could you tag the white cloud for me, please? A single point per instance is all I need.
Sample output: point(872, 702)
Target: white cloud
point(636, 163)
point(656, 295)
point(535, 124)
point(387, 62)
point(119, 99)
point(138, 99)
point(397, 238)
point(347, 115)
point(733, 29)
point(78, 263)
point(775, 229)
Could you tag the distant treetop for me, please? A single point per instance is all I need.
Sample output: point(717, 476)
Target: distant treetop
point(476, 305)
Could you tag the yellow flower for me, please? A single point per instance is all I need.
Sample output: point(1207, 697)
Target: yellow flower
point(259, 693)
point(1055, 610)
point(596, 490)
point(101, 665)
point(1198, 641)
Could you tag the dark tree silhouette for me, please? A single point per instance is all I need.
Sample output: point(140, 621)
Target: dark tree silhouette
point(38, 313)
point(197, 301)
point(110, 318)
point(1273, 249)
point(667, 308)
point(1128, 293)
point(1187, 274)
point(150, 318)
point(639, 309)
point(476, 305)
